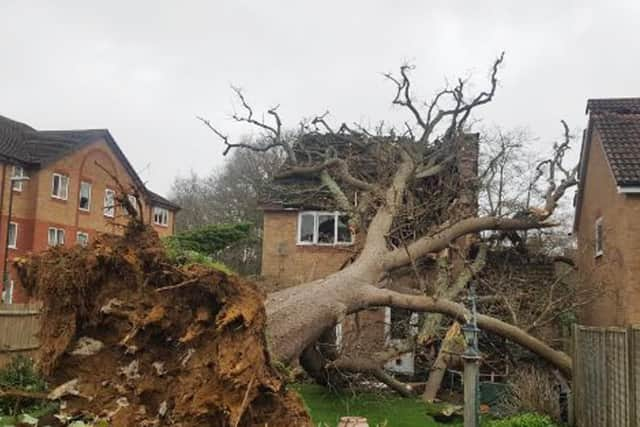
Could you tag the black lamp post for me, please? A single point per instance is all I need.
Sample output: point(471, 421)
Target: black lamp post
point(471, 358)
point(6, 283)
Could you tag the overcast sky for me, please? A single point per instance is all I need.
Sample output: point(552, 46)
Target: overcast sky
point(145, 69)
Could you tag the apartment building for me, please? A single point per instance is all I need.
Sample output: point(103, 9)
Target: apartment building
point(59, 188)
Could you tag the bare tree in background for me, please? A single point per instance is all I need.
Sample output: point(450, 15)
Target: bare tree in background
point(397, 224)
point(230, 195)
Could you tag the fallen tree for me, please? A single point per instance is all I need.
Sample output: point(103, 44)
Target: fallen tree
point(398, 222)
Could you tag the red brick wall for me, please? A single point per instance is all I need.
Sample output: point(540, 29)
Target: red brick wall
point(287, 263)
point(617, 272)
point(35, 210)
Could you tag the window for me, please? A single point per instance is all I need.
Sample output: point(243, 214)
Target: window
point(13, 235)
point(60, 186)
point(56, 236)
point(400, 323)
point(82, 238)
point(599, 246)
point(109, 203)
point(324, 228)
point(160, 216)
point(134, 201)
point(85, 196)
point(17, 172)
point(306, 225)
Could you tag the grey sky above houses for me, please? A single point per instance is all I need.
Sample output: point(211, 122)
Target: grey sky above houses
point(145, 69)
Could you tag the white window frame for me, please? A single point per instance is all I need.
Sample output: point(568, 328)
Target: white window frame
point(88, 208)
point(598, 237)
point(58, 232)
point(109, 211)
point(61, 178)
point(14, 244)
point(164, 215)
point(85, 235)
point(17, 185)
point(316, 223)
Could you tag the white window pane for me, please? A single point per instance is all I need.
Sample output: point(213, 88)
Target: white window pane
point(18, 172)
point(160, 216)
point(60, 237)
point(60, 186)
point(307, 222)
point(52, 237)
point(85, 196)
point(82, 238)
point(326, 228)
point(344, 232)
point(13, 235)
point(109, 203)
point(55, 190)
point(64, 187)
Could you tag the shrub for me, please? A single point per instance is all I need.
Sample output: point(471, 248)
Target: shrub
point(20, 374)
point(532, 390)
point(524, 420)
point(210, 238)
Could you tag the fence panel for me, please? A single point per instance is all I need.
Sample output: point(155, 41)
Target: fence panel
point(19, 327)
point(606, 376)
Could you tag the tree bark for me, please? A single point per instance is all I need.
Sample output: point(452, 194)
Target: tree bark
point(297, 316)
point(440, 365)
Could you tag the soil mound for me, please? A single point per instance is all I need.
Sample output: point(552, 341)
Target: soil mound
point(142, 342)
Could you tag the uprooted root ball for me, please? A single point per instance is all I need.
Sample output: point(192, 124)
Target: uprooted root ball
point(151, 343)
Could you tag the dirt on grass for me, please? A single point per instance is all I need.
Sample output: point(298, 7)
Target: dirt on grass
point(140, 341)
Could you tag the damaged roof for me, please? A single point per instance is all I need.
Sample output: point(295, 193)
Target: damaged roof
point(24, 145)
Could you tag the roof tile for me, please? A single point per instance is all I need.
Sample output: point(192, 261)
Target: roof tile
point(620, 134)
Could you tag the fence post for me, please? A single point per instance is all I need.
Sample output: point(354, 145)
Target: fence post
point(631, 379)
point(575, 385)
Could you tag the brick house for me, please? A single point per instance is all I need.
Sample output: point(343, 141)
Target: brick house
point(305, 240)
point(607, 211)
point(68, 198)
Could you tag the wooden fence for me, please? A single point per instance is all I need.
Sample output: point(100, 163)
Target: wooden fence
point(19, 326)
point(606, 377)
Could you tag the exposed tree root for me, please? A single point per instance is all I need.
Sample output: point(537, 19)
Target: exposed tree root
point(189, 356)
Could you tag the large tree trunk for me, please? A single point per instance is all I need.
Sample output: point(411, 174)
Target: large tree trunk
point(297, 316)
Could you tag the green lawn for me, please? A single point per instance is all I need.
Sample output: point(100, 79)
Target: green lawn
point(386, 410)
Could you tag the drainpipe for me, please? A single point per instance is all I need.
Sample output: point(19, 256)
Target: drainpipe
point(2, 191)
